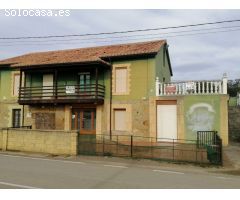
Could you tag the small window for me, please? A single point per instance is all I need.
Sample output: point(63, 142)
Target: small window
point(121, 80)
point(16, 118)
point(120, 119)
point(16, 82)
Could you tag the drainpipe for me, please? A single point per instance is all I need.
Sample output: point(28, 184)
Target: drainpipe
point(23, 115)
point(110, 105)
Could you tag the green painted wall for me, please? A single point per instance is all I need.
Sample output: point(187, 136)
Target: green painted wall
point(162, 66)
point(67, 78)
point(6, 84)
point(202, 113)
point(33, 80)
point(142, 82)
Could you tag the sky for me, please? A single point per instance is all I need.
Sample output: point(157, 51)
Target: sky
point(193, 57)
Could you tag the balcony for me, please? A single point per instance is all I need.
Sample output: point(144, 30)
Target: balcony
point(212, 87)
point(91, 93)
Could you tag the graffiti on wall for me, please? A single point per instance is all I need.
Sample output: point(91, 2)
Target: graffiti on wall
point(200, 117)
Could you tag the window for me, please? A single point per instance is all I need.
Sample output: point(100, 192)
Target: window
point(84, 81)
point(16, 82)
point(121, 78)
point(120, 120)
point(16, 118)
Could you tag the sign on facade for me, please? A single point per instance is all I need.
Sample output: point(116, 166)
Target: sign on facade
point(170, 89)
point(70, 89)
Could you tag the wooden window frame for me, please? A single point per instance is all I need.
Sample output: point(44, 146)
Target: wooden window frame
point(13, 117)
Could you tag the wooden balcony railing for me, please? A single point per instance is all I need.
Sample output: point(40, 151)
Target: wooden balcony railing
point(192, 87)
point(91, 93)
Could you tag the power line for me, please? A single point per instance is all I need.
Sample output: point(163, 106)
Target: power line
point(119, 32)
point(133, 39)
point(116, 37)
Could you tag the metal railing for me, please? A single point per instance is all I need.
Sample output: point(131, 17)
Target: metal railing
point(177, 150)
point(90, 91)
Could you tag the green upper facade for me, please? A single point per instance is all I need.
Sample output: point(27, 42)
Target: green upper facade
point(8, 85)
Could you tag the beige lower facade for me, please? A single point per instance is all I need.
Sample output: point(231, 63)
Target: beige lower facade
point(138, 117)
point(6, 112)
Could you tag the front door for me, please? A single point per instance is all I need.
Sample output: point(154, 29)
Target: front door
point(84, 120)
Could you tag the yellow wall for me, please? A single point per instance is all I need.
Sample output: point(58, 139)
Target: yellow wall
point(52, 142)
point(1, 137)
point(219, 103)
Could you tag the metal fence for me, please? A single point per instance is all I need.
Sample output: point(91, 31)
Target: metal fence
point(143, 147)
point(212, 142)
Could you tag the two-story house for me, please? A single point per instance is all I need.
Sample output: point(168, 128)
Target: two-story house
point(99, 89)
point(117, 90)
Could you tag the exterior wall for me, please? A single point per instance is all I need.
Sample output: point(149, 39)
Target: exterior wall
point(59, 113)
point(53, 142)
point(1, 139)
point(142, 73)
point(195, 113)
point(162, 66)
point(180, 115)
point(137, 117)
point(142, 82)
point(7, 100)
point(201, 114)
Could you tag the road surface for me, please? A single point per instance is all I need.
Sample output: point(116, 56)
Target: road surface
point(42, 173)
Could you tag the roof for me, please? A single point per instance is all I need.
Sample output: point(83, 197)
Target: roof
point(85, 55)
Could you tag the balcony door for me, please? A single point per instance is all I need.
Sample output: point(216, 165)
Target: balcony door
point(84, 81)
point(84, 120)
point(47, 90)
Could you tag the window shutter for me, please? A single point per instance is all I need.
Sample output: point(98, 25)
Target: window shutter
point(16, 84)
point(121, 80)
point(120, 120)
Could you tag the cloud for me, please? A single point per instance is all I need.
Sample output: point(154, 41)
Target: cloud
point(198, 56)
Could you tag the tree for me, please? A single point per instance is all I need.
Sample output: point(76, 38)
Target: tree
point(233, 87)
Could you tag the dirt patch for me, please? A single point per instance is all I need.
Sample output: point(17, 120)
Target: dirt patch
point(235, 172)
point(231, 156)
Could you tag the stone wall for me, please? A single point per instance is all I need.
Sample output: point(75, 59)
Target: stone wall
point(6, 112)
point(137, 117)
point(40, 141)
point(234, 123)
point(45, 117)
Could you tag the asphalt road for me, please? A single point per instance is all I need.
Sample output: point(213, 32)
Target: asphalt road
point(32, 172)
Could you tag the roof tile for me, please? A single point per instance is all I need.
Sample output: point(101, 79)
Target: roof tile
point(81, 55)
